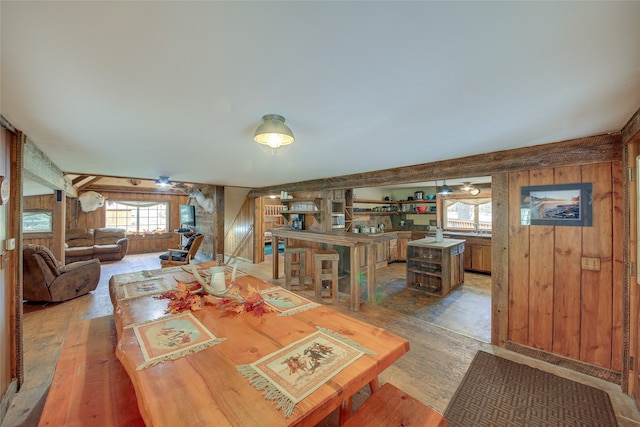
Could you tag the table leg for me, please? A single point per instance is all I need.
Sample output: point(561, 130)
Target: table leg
point(354, 261)
point(345, 410)
point(371, 272)
point(374, 385)
point(276, 258)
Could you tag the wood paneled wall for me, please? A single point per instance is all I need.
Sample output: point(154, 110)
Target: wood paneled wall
point(554, 304)
point(76, 218)
point(238, 231)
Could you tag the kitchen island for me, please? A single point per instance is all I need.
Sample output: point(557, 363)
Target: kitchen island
point(355, 242)
point(435, 267)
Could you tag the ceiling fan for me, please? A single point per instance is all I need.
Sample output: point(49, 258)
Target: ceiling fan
point(467, 187)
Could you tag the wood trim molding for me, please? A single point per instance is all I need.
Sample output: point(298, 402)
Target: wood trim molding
point(17, 206)
point(587, 150)
point(575, 365)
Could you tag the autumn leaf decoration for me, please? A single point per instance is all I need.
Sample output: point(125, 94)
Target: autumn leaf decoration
point(187, 297)
point(251, 302)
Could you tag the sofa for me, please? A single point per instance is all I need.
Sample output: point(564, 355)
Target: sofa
point(44, 278)
point(104, 244)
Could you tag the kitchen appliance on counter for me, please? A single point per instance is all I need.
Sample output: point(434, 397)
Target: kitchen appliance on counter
point(337, 220)
point(297, 222)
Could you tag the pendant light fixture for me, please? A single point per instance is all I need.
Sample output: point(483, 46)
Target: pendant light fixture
point(444, 192)
point(273, 135)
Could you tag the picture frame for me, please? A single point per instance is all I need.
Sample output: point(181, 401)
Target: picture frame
point(557, 205)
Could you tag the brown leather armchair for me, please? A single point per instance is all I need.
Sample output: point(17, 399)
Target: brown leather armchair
point(47, 279)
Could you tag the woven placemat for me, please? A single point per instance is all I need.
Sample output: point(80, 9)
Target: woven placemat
point(498, 392)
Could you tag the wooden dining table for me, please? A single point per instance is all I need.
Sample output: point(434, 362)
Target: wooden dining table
point(205, 387)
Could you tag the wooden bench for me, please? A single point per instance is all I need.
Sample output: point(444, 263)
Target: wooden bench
point(90, 387)
point(390, 406)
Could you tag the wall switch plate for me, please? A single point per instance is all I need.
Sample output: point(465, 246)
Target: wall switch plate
point(10, 244)
point(592, 264)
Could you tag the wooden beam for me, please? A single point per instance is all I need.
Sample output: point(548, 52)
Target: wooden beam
point(7, 125)
point(631, 131)
point(88, 183)
point(79, 179)
point(133, 190)
point(38, 168)
point(587, 150)
point(500, 259)
point(218, 220)
point(60, 220)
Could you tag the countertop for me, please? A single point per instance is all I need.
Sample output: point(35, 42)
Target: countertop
point(453, 234)
point(431, 242)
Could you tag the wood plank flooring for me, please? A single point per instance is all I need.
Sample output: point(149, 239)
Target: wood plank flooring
point(430, 372)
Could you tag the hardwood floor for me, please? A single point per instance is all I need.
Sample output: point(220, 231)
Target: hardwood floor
point(431, 371)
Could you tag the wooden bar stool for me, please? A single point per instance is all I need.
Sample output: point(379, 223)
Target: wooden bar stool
point(294, 266)
point(325, 265)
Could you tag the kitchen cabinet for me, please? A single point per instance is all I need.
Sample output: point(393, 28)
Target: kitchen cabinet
point(382, 255)
point(435, 267)
point(393, 250)
point(403, 238)
point(478, 255)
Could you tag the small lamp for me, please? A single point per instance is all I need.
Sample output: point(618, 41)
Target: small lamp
point(273, 134)
point(163, 182)
point(444, 192)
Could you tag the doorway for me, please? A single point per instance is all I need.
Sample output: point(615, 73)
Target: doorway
point(465, 215)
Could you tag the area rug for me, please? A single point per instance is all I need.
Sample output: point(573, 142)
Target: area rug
point(292, 373)
point(498, 392)
point(171, 337)
point(268, 250)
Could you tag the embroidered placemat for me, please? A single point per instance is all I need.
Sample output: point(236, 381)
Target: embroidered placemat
point(171, 337)
point(142, 288)
point(165, 270)
point(292, 373)
point(136, 276)
point(286, 302)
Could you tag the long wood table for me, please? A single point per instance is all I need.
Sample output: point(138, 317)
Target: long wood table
point(356, 242)
point(205, 388)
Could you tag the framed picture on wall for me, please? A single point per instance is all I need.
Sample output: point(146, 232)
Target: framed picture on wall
point(557, 205)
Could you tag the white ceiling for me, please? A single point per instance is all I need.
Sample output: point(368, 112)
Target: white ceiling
point(142, 89)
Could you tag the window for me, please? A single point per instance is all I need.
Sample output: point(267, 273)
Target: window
point(37, 221)
point(468, 214)
point(137, 216)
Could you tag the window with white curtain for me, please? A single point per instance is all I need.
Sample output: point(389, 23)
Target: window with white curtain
point(467, 214)
point(137, 216)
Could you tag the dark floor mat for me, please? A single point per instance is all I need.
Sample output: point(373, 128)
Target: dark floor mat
point(498, 392)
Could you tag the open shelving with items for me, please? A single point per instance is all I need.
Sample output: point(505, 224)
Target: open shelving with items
point(435, 267)
point(301, 206)
point(399, 207)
